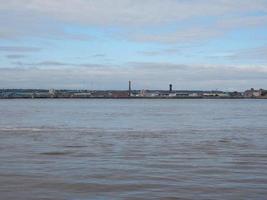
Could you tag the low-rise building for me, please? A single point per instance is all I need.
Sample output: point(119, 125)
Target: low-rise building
point(253, 93)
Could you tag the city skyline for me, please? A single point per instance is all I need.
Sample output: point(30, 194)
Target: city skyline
point(85, 44)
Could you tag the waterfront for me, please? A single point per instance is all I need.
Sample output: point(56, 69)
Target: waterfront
point(133, 149)
point(130, 94)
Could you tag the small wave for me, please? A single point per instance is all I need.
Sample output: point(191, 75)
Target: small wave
point(14, 129)
point(57, 153)
point(75, 146)
point(43, 129)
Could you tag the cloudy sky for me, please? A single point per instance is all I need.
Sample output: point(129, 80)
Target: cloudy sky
point(101, 44)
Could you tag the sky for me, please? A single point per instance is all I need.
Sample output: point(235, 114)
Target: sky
point(101, 44)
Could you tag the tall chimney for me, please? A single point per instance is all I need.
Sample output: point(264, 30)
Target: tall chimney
point(130, 88)
point(170, 88)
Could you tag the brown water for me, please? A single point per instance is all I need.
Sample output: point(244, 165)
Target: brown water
point(133, 149)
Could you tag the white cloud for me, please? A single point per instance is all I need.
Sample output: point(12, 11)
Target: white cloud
point(15, 56)
point(22, 49)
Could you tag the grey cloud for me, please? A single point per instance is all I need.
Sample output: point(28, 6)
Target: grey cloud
point(99, 55)
point(144, 75)
point(82, 37)
point(19, 49)
point(134, 12)
point(152, 67)
point(48, 63)
point(57, 64)
point(201, 32)
point(19, 23)
point(160, 52)
point(15, 56)
point(242, 22)
point(180, 35)
point(22, 18)
point(256, 54)
point(8, 34)
point(150, 53)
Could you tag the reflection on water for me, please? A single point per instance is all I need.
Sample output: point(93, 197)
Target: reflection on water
point(133, 149)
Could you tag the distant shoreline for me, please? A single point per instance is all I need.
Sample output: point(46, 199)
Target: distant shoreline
point(130, 94)
point(167, 98)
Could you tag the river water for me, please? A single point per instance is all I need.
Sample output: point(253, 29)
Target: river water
point(133, 149)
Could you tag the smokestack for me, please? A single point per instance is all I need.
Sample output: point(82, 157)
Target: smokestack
point(170, 88)
point(130, 88)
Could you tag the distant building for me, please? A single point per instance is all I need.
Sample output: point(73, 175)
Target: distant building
point(172, 95)
point(182, 94)
point(253, 93)
point(142, 93)
point(81, 95)
point(120, 94)
point(236, 94)
point(194, 94)
point(170, 88)
point(130, 89)
point(52, 92)
point(215, 94)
